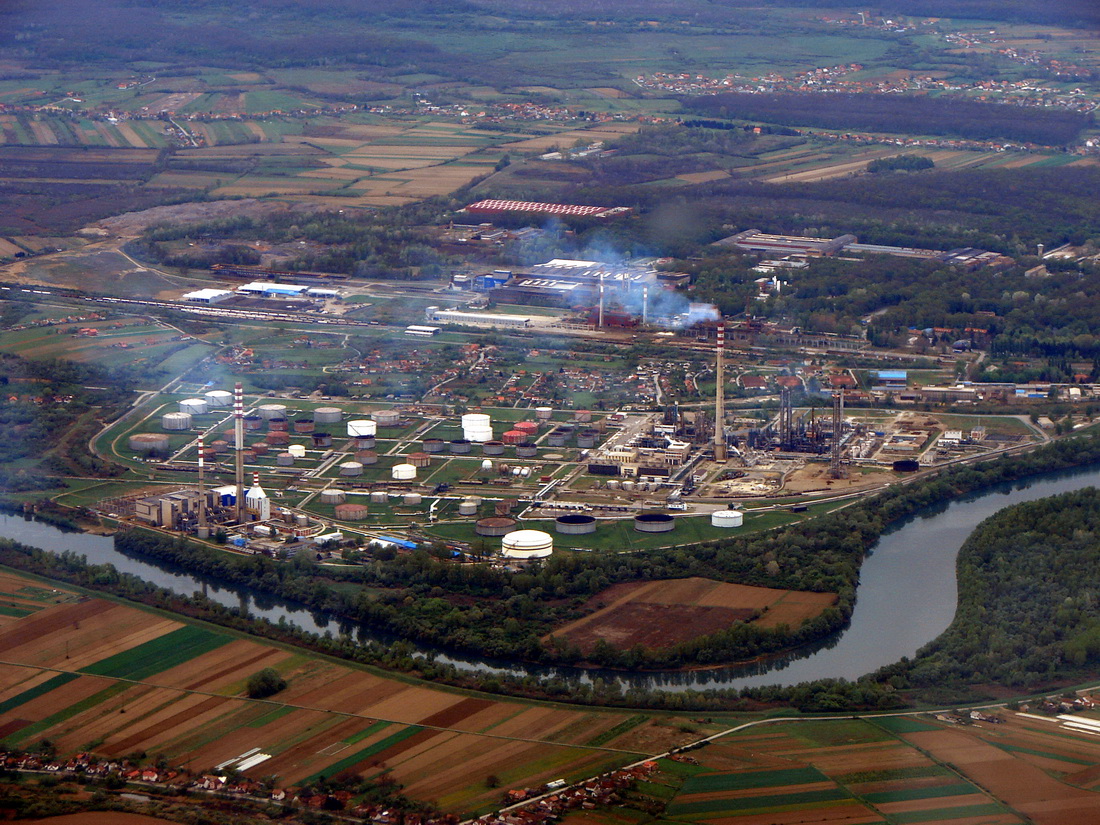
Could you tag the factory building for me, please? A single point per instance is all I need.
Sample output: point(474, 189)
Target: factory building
point(561, 210)
point(270, 289)
point(165, 511)
point(753, 240)
point(479, 319)
point(207, 296)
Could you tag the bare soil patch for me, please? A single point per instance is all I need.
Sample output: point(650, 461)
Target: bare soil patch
point(665, 612)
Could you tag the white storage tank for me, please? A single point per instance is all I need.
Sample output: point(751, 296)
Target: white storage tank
point(297, 450)
point(544, 413)
point(270, 411)
point(351, 468)
point(525, 545)
point(727, 518)
point(477, 427)
point(379, 497)
point(468, 508)
point(333, 495)
point(193, 406)
point(327, 415)
point(403, 472)
point(218, 398)
point(176, 421)
point(362, 428)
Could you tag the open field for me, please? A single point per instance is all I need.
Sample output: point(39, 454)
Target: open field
point(88, 673)
point(887, 771)
point(664, 612)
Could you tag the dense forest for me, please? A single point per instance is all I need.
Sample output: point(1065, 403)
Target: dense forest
point(898, 114)
point(1027, 601)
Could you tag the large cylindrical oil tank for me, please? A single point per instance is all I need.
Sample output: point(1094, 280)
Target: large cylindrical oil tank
point(351, 512)
point(366, 456)
point(146, 443)
point(277, 425)
point(403, 472)
point(362, 427)
point(514, 437)
point(727, 518)
point(528, 427)
point(278, 438)
point(333, 495)
point(220, 446)
point(259, 448)
point(524, 545)
point(575, 524)
point(412, 499)
point(584, 416)
point(303, 425)
point(493, 448)
point(269, 411)
point(495, 526)
point(419, 459)
point(379, 497)
point(351, 468)
point(433, 445)
point(386, 418)
point(467, 507)
point(176, 421)
point(544, 413)
point(477, 427)
point(527, 449)
point(321, 439)
point(654, 523)
point(284, 460)
point(557, 438)
point(194, 406)
point(297, 450)
point(460, 446)
point(586, 439)
point(218, 398)
point(327, 415)
point(253, 422)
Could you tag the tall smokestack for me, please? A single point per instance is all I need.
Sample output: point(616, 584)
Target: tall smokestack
point(238, 433)
point(599, 324)
point(645, 304)
point(204, 530)
point(719, 396)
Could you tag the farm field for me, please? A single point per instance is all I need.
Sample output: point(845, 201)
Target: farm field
point(92, 674)
point(663, 612)
point(887, 771)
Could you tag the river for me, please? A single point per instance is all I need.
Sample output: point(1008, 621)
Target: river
point(906, 597)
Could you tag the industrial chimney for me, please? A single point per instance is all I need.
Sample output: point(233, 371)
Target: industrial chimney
point(719, 396)
point(238, 433)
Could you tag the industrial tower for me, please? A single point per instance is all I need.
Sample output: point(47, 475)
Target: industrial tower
point(720, 453)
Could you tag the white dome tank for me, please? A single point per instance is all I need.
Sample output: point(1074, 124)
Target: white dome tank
point(523, 545)
point(403, 472)
point(194, 406)
point(218, 398)
point(269, 411)
point(727, 518)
